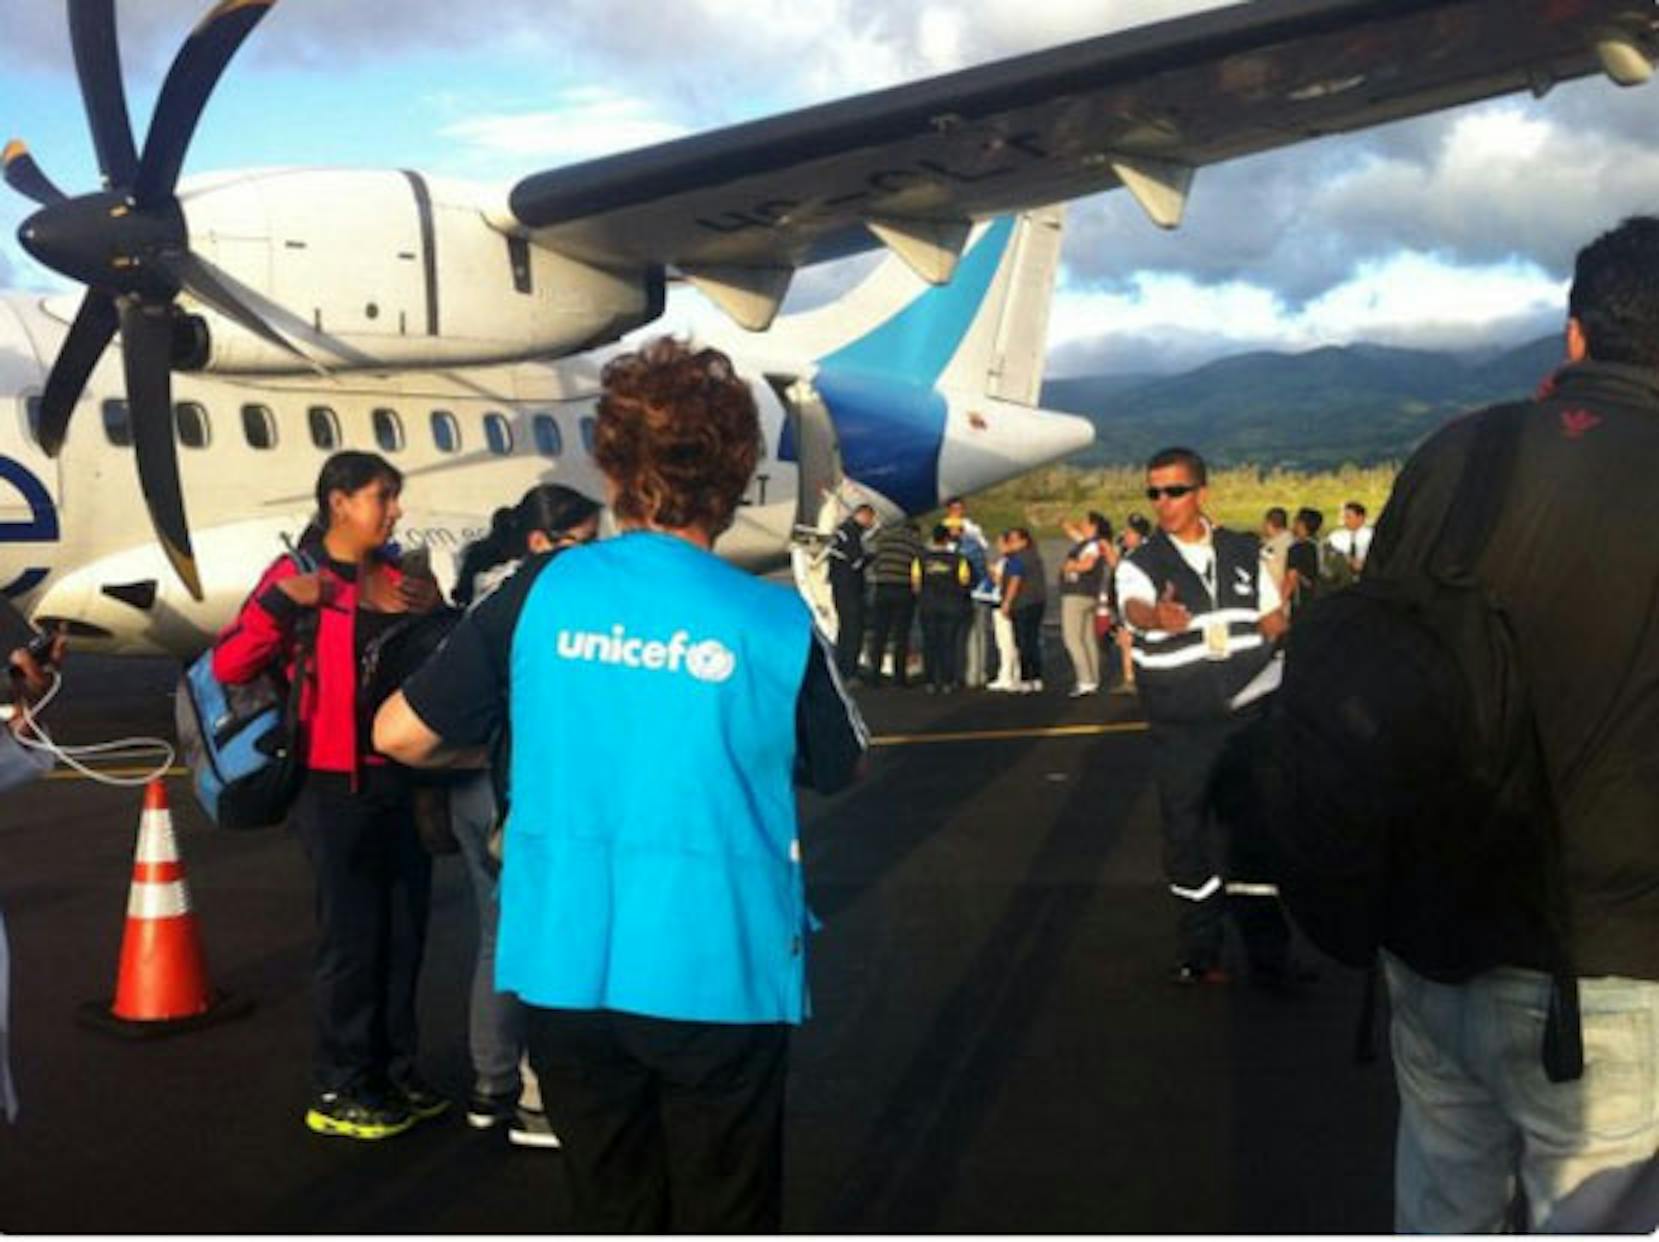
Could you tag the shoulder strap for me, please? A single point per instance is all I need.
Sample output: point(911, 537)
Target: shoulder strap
point(1479, 496)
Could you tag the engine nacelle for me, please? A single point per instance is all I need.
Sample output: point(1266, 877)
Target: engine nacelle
point(369, 270)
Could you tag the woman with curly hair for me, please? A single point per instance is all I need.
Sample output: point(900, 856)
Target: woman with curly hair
point(653, 912)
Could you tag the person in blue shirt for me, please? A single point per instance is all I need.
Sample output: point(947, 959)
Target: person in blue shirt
point(663, 704)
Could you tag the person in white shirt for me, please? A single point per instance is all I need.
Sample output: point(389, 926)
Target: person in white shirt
point(1353, 541)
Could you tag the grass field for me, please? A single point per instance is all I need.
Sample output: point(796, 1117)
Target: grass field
point(1238, 496)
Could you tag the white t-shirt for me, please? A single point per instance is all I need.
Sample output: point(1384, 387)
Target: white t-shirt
point(1132, 582)
point(1352, 543)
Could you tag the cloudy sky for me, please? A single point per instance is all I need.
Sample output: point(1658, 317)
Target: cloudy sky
point(1456, 231)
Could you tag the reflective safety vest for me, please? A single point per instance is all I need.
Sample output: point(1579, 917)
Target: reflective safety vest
point(946, 578)
point(1194, 674)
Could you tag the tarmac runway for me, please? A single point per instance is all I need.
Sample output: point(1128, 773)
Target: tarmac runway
point(996, 1047)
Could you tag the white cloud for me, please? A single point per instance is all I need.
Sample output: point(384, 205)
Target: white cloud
point(582, 122)
point(1160, 322)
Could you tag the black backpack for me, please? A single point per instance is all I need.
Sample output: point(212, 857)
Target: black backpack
point(1401, 779)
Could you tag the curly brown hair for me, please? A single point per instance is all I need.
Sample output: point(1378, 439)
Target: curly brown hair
point(678, 436)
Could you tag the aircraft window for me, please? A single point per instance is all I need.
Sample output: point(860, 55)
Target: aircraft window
point(549, 441)
point(325, 427)
point(118, 424)
point(587, 426)
point(388, 430)
point(446, 432)
point(190, 420)
point(498, 434)
point(259, 426)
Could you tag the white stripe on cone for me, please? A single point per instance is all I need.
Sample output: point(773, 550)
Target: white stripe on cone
point(168, 900)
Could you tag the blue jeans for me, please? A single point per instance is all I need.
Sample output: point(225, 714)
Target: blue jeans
point(495, 1020)
point(1479, 1119)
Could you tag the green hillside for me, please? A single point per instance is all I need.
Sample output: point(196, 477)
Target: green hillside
point(1359, 404)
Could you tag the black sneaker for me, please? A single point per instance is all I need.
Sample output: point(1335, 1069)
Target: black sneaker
point(530, 1128)
point(1194, 974)
point(486, 1112)
point(422, 1102)
point(349, 1115)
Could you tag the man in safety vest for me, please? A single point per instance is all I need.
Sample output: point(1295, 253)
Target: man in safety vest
point(1204, 619)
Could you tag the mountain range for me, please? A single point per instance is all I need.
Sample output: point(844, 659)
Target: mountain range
point(1316, 410)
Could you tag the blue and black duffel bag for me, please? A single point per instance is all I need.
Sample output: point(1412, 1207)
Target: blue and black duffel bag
point(242, 742)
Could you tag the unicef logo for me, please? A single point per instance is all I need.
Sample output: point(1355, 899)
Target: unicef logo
point(711, 661)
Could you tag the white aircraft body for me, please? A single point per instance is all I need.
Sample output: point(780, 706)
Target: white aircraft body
point(237, 327)
point(76, 548)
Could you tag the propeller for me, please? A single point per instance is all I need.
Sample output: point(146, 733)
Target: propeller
point(128, 244)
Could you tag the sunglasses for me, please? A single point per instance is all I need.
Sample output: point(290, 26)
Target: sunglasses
point(1174, 491)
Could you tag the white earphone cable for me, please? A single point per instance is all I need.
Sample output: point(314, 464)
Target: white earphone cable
point(127, 749)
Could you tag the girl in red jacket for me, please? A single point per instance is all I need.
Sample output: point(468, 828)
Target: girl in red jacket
point(353, 813)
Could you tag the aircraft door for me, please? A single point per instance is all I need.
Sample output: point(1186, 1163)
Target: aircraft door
point(817, 455)
point(818, 505)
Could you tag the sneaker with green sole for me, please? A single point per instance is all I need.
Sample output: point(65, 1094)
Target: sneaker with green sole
point(347, 1115)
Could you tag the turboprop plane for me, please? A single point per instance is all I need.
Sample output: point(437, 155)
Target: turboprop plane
point(237, 326)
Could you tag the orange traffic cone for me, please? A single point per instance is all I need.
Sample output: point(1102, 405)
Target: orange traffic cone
point(161, 987)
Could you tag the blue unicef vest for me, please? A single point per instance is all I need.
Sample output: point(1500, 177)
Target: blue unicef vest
point(652, 864)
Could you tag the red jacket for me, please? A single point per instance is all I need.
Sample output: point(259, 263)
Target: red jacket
point(263, 632)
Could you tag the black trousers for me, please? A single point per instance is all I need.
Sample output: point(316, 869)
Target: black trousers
point(666, 1126)
point(374, 888)
point(1028, 637)
point(848, 593)
point(941, 640)
point(890, 619)
point(1214, 860)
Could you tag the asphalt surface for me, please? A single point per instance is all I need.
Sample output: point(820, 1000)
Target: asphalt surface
point(995, 1046)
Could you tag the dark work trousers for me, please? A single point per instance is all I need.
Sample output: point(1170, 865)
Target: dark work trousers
point(941, 631)
point(665, 1126)
point(891, 617)
point(374, 888)
point(1028, 637)
point(1212, 859)
point(849, 619)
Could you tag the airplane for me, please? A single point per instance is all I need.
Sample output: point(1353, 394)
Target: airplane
point(260, 318)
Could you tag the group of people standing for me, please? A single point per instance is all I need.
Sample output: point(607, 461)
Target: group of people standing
point(980, 605)
point(641, 958)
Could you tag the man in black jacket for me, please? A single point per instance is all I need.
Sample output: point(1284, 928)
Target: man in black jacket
point(1481, 1125)
point(847, 560)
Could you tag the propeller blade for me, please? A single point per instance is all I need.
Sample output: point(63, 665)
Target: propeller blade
point(202, 281)
point(98, 65)
point(146, 353)
point(89, 335)
point(24, 175)
point(194, 74)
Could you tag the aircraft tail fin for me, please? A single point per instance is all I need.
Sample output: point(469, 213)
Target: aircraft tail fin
point(984, 331)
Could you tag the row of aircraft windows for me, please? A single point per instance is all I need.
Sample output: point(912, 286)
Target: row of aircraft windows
point(260, 429)
point(193, 427)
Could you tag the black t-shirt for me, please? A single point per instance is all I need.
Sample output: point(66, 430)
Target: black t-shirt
point(1303, 557)
point(461, 694)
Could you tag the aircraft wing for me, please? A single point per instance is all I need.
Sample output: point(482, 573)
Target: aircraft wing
point(911, 166)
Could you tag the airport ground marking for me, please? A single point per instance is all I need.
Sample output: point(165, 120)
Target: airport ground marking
point(1004, 735)
point(889, 739)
